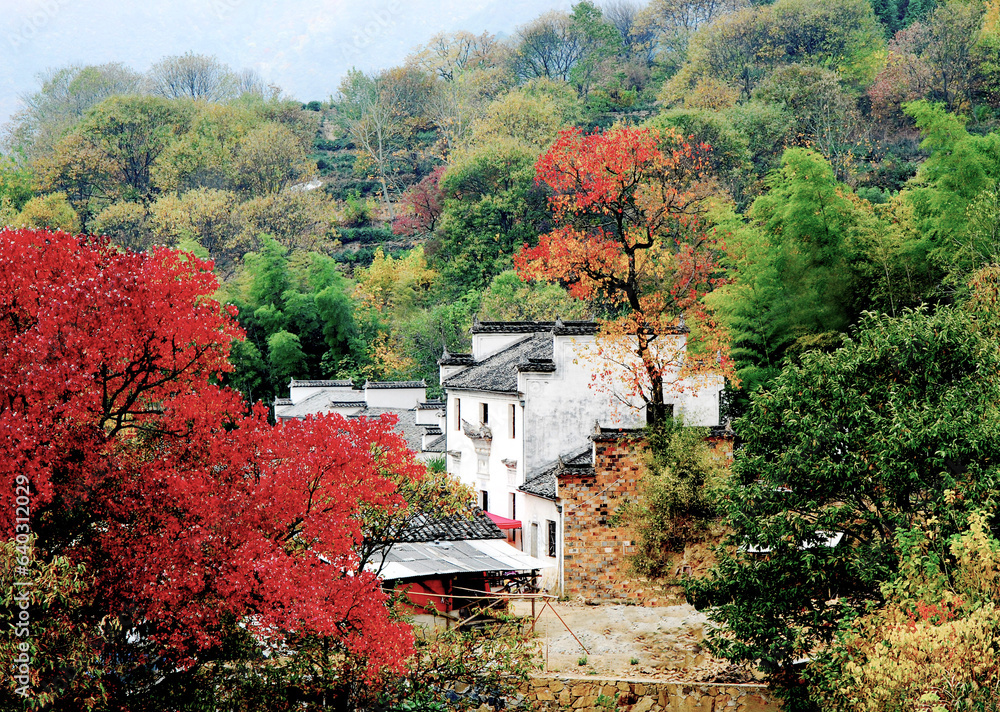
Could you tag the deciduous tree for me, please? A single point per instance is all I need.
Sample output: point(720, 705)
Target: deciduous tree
point(190, 524)
point(627, 206)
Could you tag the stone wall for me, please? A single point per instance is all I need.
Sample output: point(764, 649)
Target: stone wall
point(549, 694)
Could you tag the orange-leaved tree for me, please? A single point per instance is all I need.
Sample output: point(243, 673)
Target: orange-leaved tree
point(628, 206)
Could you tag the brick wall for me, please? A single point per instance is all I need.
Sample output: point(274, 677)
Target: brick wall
point(550, 694)
point(594, 552)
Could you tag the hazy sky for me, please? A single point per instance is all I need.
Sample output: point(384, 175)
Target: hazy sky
point(304, 46)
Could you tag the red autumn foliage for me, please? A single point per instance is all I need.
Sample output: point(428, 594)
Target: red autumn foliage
point(185, 509)
point(421, 206)
point(628, 205)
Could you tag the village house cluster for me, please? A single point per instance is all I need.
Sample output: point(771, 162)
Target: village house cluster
point(541, 429)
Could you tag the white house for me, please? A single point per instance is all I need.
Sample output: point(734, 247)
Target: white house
point(418, 420)
point(523, 404)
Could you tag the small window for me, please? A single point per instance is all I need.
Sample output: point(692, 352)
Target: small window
point(552, 538)
point(458, 414)
point(513, 421)
point(484, 413)
point(486, 500)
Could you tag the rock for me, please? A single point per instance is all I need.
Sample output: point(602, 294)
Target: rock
point(643, 705)
point(580, 690)
point(556, 686)
point(758, 703)
point(545, 695)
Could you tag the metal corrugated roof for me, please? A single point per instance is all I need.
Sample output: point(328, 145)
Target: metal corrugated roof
point(420, 560)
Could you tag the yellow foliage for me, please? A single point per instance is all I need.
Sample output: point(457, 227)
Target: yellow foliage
point(394, 285)
point(934, 647)
point(52, 211)
point(710, 93)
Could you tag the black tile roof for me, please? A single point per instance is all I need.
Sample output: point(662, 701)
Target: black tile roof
point(319, 402)
point(282, 401)
point(436, 445)
point(320, 384)
point(498, 373)
point(608, 434)
point(406, 423)
point(395, 384)
point(537, 365)
point(528, 327)
point(542, 481)
point(431, 405)
point(424, 527)
point(456, 359)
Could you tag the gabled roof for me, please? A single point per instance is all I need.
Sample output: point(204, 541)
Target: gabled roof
point(320, 384)
point(424, 527)
point(542, 481)
point(498, 373)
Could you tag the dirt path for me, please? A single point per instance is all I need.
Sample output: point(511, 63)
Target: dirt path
point(625, 641)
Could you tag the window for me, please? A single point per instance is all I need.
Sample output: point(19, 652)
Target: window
point(484, 413)
point(513, 506)
point(458, 414)
point(513, 421)
point(534, 539)
point(485, 500)
point(552, 537)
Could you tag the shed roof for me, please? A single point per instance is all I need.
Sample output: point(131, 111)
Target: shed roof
point(421, 560)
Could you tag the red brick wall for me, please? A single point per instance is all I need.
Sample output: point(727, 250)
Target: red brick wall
point(594, 553)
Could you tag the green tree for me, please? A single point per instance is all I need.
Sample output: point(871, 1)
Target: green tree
point(509, 298)
point(863, 442)
point(110, 155)
point(794, 266)
point(62, 100)
point(267, 159)
point(492, 207)
point(127, 224)
point(961, 166)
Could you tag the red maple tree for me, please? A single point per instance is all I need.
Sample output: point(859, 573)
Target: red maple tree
point(421, 206)
point(182, 519)
point(628, 206)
